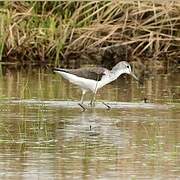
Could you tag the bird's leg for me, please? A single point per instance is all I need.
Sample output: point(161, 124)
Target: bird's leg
point(92, 102)
point(81, 105)
point(81, 102)
point(82, 97)
point(108, 107)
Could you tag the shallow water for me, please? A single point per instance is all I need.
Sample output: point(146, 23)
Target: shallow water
point(44, 134)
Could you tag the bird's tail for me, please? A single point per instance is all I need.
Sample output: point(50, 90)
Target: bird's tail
point(59, 70)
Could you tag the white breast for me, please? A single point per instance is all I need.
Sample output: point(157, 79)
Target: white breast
point(84, 83)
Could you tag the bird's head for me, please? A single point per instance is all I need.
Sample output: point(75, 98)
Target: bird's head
point(124, 67)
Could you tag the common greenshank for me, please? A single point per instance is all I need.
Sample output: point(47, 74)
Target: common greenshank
point(94, 78)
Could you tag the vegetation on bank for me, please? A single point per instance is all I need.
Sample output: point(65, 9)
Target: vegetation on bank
point(50, 32)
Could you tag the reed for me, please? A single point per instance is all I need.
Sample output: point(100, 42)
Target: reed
point(44, 32)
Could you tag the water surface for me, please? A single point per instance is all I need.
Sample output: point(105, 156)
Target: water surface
point(43, 138)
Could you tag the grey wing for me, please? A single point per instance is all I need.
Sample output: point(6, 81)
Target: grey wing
point(94, 73)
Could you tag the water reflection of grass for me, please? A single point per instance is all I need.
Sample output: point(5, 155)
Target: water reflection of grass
point(121, 141)
point(40, 84)
point(162, 142)
point(18, 129)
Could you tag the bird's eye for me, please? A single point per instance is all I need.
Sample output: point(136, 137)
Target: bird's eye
point(127, 67)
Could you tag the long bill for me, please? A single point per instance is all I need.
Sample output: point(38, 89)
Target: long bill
point(134, 76)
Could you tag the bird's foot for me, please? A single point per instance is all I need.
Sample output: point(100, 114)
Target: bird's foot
point(82, 106)
point(92, 104)
point(108, 107)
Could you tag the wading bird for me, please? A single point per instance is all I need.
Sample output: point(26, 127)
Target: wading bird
point(94, 78)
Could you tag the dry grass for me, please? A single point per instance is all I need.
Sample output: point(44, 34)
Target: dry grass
point(44, 32)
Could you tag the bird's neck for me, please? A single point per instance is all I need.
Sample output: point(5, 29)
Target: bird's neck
point(113, 75)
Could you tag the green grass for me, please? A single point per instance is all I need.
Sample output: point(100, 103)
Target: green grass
point(45, 32)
